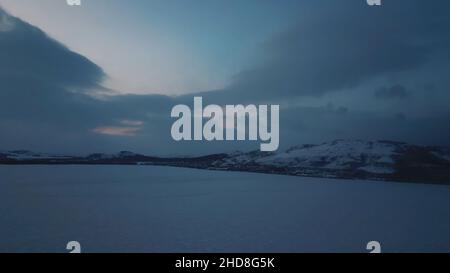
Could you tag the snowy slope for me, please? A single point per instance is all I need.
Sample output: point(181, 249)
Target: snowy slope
point(348, 158)
point(369, 156)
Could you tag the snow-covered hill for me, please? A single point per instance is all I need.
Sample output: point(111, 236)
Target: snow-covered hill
point(376, 157)
point(350, 159)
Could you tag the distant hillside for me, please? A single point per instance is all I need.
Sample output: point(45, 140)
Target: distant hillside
point(356, 159)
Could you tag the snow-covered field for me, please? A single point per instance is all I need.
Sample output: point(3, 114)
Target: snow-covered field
point(163, 209)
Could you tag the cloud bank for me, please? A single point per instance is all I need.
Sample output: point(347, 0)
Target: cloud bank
point(342, 71)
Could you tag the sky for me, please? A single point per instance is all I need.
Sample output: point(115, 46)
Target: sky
point(160, 46)
point(103, 77)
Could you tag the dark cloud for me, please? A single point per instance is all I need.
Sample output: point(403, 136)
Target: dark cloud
point(394, 92)
point(40, 79)
point(46, 100)
point(27, 52)
point(318, 124)
point(345, 44)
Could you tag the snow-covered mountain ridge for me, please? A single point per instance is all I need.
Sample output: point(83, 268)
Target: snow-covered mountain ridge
point(350, 158)
point(379, 160)
point(370, 156)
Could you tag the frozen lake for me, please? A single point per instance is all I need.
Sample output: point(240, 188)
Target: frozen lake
point(163, 209)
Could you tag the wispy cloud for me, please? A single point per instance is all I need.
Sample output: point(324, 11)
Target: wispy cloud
point(127, 128)
point(117, 131)
point(131, 122)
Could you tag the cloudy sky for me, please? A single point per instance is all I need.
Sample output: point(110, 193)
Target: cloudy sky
point(103, 77)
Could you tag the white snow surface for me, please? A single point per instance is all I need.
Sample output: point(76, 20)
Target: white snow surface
point(164, 209)
point(370, 156)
